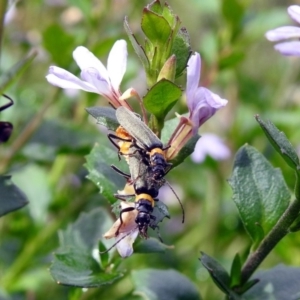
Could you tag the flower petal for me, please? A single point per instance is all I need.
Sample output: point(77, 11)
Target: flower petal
point(66, 80)
point(288, 48)
point(86, 59)
point(208, 104)
point(193, 78)
point(116, 63)
point(294, 12)
point(281, 33)
point(100, 83)
point(210, 144)
point(124, 247)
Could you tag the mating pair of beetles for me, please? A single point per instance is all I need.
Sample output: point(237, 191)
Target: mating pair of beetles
point(145, 155)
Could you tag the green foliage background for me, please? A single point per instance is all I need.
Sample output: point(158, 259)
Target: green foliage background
point(53, 134)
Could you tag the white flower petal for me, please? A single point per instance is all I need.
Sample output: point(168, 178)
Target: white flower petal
point(116, 63)
point(294, 12)
point(288, 48)
point(124, 247)
point(281, 33)
point(102, 86)
point(193, 77)
point(212, 145)
point(64, 79)
point(86, 59)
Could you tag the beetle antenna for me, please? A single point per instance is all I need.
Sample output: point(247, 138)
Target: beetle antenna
point(182, 209)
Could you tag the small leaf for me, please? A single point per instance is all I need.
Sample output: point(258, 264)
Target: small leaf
point(99, 163)
point(76, 267)
point(280, 282)
point(259, 192)
point(161, 98)
point(154, 284)
point(182, 50)
point(280, 143)
point(12, 198)
point(160, 211)
point(217, 272)
point(151, 245)
point(235, 273)
point(15, 71)
point(136, 46)
point(155, 27)
point(105, 116)
point(73, 262)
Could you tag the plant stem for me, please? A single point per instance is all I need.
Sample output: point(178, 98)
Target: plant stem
point(3, 6)
point(279, 231)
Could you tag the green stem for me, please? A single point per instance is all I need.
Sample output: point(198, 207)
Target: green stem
point(3, 5)
point(280, 230)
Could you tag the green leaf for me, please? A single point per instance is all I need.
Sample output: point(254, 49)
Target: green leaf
point(15, 71)
point(154, 284)
point(12, 198)
point(98, 163)
point(161, 98)
point(280, 143)
point(217, 272)
point(155, 27)
point(151, 245)
point(59, 44)
point(76, 267)
point(280, 282)
point(73, 262)
point(182, 50)
point(259, 192)
point(136, 46)
point(155, 6)
point(105, 116)
point(235, 273)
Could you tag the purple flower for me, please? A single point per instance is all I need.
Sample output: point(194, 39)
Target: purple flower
point(201, 102)
point(95, 77)
point(287, 32)
point(202, 105)
point(210, 144)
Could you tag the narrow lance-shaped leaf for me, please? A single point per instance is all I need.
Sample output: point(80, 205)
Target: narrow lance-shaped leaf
point(136, 46)
point(259, 192)
point(13, 73)
point(280, 143)
point(217, 272)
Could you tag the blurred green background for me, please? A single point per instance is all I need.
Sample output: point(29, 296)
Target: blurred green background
point(53, 134)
